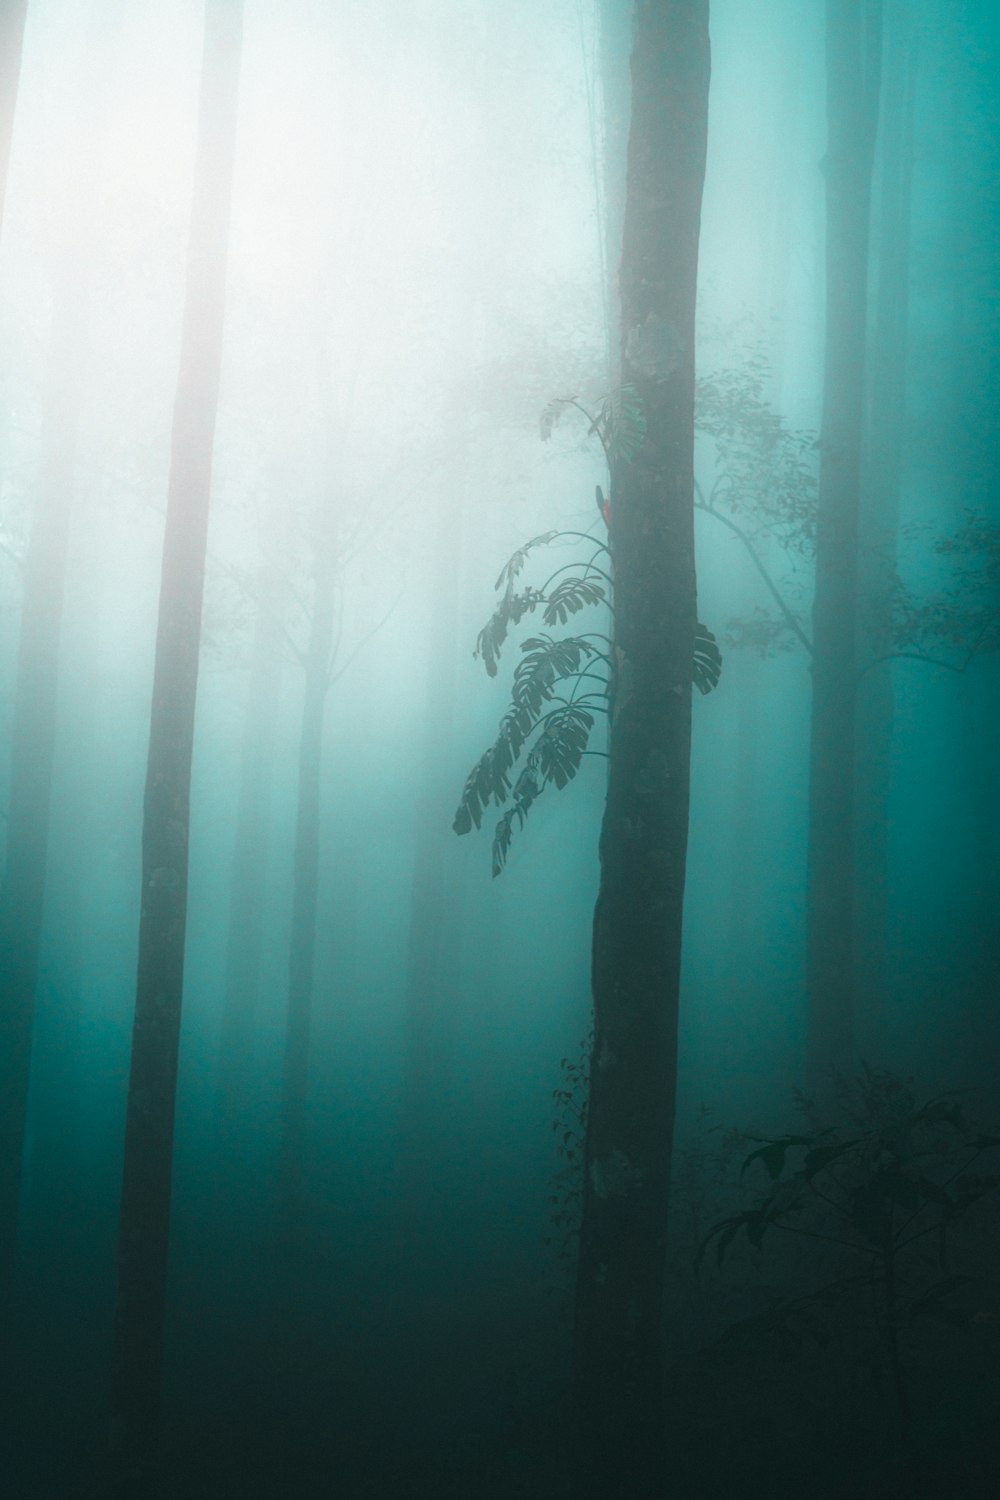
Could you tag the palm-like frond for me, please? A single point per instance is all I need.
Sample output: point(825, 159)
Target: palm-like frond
point(707, 665)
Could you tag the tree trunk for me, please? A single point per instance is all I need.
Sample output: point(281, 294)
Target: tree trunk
point(305, 894)
point(33, 731)
point(435, 904)
point(145, 1208)
point(615, 41)
point(637, 920)
point(251, 845)
point(853, 45)
point(13, 14)
point(886, 426)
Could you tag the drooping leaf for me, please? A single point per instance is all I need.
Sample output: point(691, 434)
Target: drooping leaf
point(551, 413)
point(511, 609)
point(723, 1234)
point(570, 596)
point(489, 779)
point(707, 667)
point(772, 1154)
point(544, 663)
point(554, 757)
point(561, 745)
point(517, 560)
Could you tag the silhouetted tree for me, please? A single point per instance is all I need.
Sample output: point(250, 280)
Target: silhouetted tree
point(853, 68)
point(884, 448)
point(637, 920)
point(145, 1207)
point(33, 724)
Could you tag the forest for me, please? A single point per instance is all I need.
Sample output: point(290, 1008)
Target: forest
point(499, 706)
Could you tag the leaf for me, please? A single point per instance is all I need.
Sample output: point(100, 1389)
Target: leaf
point(621, 424)
point(570, 596)
point(511, 609)
point(489, 779)
point(756, 1223)
point(517, 560)
point(562, 743)
point(554, 757)
point(707, 667)
point(551, 413)
point(773, 1153)
point(724, 1233)
point(544, 663)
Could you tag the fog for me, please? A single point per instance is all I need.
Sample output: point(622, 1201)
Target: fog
point(422, 256)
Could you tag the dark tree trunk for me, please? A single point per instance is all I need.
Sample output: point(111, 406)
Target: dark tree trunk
point(145, 1208)
point(305, 893)
point(33, 736)
point(637, 920)
point(13, 14)
point(886, 422)
point(853, 44)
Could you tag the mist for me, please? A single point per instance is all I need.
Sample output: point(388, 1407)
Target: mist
point(351, 369)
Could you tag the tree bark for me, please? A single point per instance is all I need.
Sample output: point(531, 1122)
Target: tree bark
point(145, 1207)
point(637, 920)
point(853, 47)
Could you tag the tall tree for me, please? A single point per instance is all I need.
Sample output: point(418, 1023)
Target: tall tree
point(637, 920)
point(34, 727)
point(251, 844)
point(884, 448)
point(145, 1206)
point(13, 15)
point(853, 66)
point(317, 665)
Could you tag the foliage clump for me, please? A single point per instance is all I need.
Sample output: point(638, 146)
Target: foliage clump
point(562, 684)
point(876, 1205)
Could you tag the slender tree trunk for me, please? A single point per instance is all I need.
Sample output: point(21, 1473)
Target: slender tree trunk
point(33, 738)
point(880, 526)
point(637, 920)
point(305, 896)
point(251, 845)
point(853, 43)
point(13, 14)
point(434, 904)
point(145, 1209)
point(23, 881)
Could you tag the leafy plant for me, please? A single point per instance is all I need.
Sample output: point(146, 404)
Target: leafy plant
point(561, 684)
point(875, 1205)
point(958, 620)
